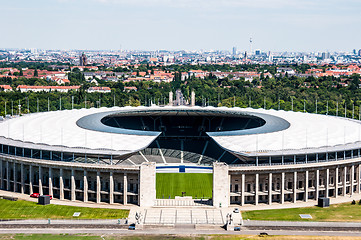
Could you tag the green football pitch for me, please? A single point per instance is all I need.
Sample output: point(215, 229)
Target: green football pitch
point(197, 185)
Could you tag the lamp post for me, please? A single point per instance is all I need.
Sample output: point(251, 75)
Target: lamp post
point(19, 108)
point(304, 105)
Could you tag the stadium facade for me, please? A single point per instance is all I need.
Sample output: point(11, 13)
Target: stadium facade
point(112, 154)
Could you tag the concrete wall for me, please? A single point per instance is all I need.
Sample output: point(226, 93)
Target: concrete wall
point(147, 191)
point(220, 185)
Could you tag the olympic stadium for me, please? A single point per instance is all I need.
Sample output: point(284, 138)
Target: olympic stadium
point(114, 155)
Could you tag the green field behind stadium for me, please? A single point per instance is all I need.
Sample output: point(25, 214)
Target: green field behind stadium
point(197, 185)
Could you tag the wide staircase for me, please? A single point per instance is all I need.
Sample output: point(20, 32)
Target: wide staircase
point(183, 216)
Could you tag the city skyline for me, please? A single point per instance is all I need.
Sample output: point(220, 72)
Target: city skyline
point(300, 26)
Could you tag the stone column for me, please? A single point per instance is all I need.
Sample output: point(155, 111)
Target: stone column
point(61, 183)
point(111, 188)
point(230, 189)
point(125, 189)
point(282, 187)
point(138, 191)
point(22, 187)
point(1, 175)
point(50, 181)
point(7, 176)
point(336, 182)
point(85, 185)
point(14, 176)
point(317, 184)
point(72, 186)
point(147, 185)
point(256, 189)
point(306, 186)
point(40, 181)
point(243, 185)
point(31, 191)
point(98, 187)
point(352, 178)
point(294, 186)
point(344, 181)
point(270, 188)
point(358, 179)
point(327, 182)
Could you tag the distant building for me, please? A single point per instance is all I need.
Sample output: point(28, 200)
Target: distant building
point(6, 88)
point(325, 55)
point(82, 68)
point(258, 52)
point(128, 89)
point(234, 51)
point(198, 73)
point(61, 81)
point(99, 90)
point(65, 89)
point(359, 52)
point(286, 70)
point(82, 59)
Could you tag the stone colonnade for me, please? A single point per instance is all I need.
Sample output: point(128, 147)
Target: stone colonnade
point(137, 185)
point(292, 183)
point(72, 181)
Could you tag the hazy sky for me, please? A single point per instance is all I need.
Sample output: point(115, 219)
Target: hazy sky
point(275, 25)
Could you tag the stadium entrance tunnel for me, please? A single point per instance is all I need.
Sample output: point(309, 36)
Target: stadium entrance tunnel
point(183, 135)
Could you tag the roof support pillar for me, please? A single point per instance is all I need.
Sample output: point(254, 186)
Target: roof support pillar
point(85, 187)
point(344, 181)
point(294, 186)
point(40, 181)
point(306, 186)
point(243, 184)
point(282, 188)
point(98, 198)
point(317, 184)
point(270, 189)
point(336, 182)
point(327, 184)
point(31, 179)
point(61, 184)
point(256, 189)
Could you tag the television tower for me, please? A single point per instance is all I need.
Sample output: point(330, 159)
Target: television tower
point(250, 45)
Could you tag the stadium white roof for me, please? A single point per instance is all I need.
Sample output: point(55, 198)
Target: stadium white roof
point(59, 128)
point(306, 132)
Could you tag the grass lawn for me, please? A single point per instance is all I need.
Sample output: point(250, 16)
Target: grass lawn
point(167, 237)
point(197, 185)
point(49, 236)
point(31, 210)
point(344, 212)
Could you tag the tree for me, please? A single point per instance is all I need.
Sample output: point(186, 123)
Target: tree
point(355, 82)
point(36, 74)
